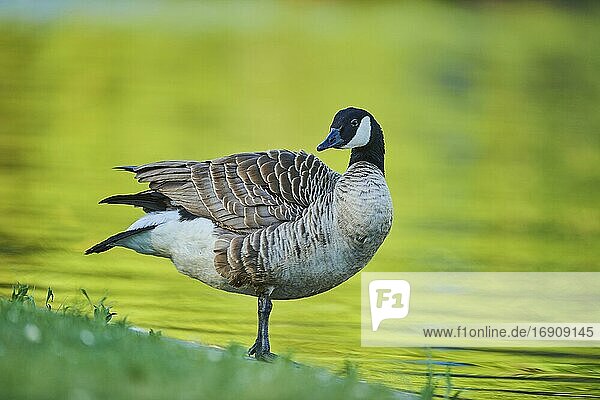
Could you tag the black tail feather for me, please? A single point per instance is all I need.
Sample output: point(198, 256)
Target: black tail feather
point(149, 200)
point(112, 241)
point(128, 168)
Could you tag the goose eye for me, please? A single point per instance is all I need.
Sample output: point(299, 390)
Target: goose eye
point(354, 122)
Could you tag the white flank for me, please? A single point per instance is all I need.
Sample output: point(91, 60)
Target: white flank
point(190, 244)
point(362, 136)
point(154, 219)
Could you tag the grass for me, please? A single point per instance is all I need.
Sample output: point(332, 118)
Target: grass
point(63, 353)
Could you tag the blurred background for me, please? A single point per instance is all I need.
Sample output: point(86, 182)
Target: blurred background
point(492, 123)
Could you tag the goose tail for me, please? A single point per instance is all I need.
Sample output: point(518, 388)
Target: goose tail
point(149, 200)
point(116, 240)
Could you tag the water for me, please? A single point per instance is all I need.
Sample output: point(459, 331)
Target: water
point(491, 124)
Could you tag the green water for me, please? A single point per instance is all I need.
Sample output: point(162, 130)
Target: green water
point(492, 136)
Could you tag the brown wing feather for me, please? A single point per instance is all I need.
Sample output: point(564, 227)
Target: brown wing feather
point(244, 194)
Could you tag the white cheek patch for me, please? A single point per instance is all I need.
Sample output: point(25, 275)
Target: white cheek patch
point(362, 136)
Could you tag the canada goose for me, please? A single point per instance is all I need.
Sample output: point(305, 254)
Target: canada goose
point(276, 225)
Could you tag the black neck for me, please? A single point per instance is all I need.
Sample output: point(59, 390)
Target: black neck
point(373, 152)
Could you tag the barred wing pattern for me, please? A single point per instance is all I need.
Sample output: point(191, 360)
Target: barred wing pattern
point(242, 194)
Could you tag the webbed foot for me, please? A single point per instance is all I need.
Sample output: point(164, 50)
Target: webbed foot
point(261, 353)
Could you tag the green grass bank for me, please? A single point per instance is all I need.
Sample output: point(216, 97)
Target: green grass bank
point(66, 354)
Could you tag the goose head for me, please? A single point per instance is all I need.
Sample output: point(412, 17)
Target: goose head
point(356, 129)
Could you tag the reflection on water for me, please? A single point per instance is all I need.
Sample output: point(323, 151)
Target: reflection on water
point(491, 132)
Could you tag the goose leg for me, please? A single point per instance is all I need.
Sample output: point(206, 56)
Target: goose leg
point(261, 348)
